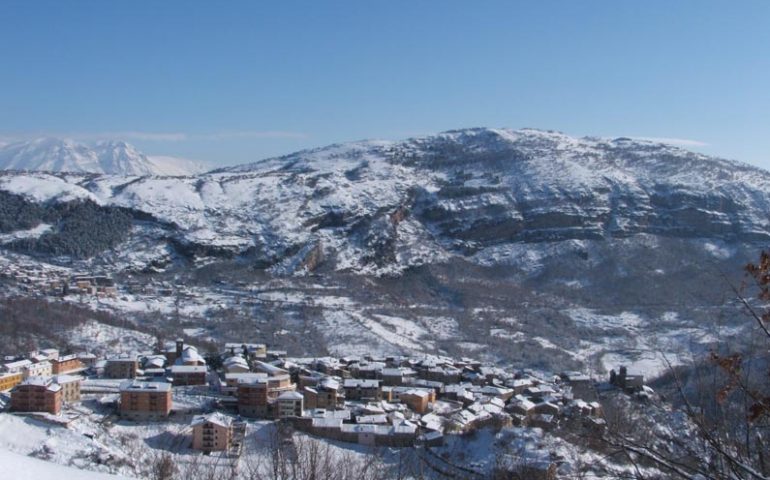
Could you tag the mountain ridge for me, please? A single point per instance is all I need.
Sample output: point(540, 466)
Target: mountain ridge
point(382, 206)
point(502, 134)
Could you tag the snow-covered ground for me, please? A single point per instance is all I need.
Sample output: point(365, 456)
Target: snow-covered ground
point(101, 338)
point(23, 467)
point(64, 449)
point(21, 234)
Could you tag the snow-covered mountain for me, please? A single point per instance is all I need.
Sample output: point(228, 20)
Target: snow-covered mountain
point(510, 242)
point(107, 157)
point(382, 206)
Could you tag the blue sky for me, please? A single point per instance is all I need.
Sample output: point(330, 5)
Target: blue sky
point(230, 82)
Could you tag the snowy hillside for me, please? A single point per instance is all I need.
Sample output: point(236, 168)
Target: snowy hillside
point(380, 207)
point(29, 468)
point(108, 157)
point(526, 245)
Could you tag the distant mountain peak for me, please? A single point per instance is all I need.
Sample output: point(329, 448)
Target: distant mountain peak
point(112, 157)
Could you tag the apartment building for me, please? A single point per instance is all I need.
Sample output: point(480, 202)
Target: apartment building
point(327, 394)
point(66, 364)
point(362, 389)
point(10, 380)
point(40, 369)
point(18, 366)
point(256, 397)
point(87, 359)
point(145, 400)
point(212, 432)
point(288, 404)
point(37, 394)
point(232, 380)
point(188, 375)
point(70, 387)
point(120, 367)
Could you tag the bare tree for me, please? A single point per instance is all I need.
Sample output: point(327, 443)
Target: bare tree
point(300, 457)
point(726, 400)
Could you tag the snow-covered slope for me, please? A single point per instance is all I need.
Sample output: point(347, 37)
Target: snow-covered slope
point(176, 166)
point(477, 238)
point(379, 207)
point(107, 157)
point(29, 468)
point(49, 154)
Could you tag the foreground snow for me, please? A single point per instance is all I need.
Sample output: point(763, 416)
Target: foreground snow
point(28, 468)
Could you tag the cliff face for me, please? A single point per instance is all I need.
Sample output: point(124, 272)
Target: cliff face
point(501, 186)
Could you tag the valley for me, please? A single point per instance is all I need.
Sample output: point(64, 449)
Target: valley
point(529, 248)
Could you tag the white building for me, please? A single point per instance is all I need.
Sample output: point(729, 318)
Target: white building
point(41, 369)
point(289, 404)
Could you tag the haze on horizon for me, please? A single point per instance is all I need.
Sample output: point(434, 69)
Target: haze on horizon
point(249, 81)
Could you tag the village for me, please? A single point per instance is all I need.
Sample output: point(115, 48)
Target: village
point(36, 279)
point(394, 401)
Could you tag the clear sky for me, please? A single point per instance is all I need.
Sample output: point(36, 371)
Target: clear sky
point(230, 82)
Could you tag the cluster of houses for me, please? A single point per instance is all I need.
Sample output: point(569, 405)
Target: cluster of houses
point(42, 280)
point(377, 401)
point(399, 401)
point(34, 278)
point(83, 284)
point(53, 281)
